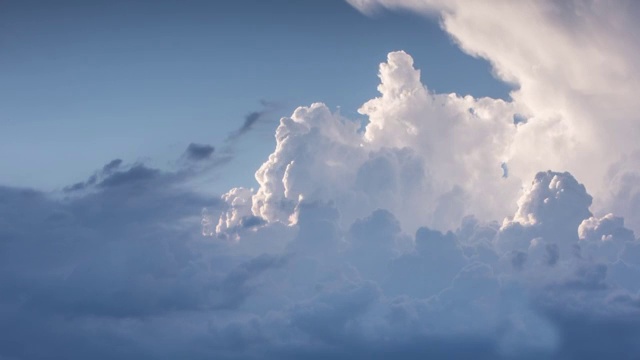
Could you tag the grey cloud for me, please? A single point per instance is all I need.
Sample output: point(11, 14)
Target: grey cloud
point(251, 221)
point(251, 119)
point(330, 317)
point(552, 254)
point(235, 286)
point(588, 277)
point(610, 330)
point(197, 152)
point(437, 258)
point(102, 258)
point(112, 165)
point(372, 243)
point(518, 260)
point(126, 260)
point(519, 119)
point(625, 180)
point(505, 170)
point(102, 243)
point(248, 123)
point(138, 173)
point(417, 347)
point(586, 338)
point(75, 187)
point(107, 170)
point(319, 233)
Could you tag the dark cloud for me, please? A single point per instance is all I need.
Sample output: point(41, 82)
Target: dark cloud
point(248, 123)
point(112, 165)
point(251, 119)
point(117, 174)
point(417, 347)
point(552, 254)
point(75, 187)
point(587, 338)
point(518, 260)
point(138, 173)
point(107, 170)
point(252, 221)
point(519, 119)
point(505, 170)
point(128, 249)
point(197, 152)
point(101, 241)
point(610, 327)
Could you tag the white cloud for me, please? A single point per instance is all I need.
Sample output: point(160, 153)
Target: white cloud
point(526, 284)
point(574, 65)
point(344, 251)
point(239, 202)
point(428, 158)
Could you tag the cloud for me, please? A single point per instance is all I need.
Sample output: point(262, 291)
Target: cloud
point(409, 205)
point(401, 162)
point(126, 251)
point(251, 119)
point(510, 291)
point(125, 265)
point(565, 102)
point(197, 152)
point(404, 238)
point(138, 173)
point(112, 165)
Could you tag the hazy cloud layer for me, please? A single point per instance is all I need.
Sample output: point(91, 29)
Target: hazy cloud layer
point(149, 288)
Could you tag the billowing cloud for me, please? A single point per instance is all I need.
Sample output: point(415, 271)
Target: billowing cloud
point(422, 156)
point(123, 269)
point(573, 65)
point(533, 287)
point(405, 238)
point(431, 207)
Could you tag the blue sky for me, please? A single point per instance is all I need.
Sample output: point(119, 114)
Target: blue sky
point(86, 82)
point(171, 187)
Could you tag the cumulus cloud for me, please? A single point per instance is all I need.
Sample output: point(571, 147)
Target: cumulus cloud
point(422, 156)
point(124, 270)
point(573, 65)
point(405, 238)
point(516, 290)
point(408, 205)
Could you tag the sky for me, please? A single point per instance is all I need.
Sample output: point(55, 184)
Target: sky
point(358, 179)
point(142, 80)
